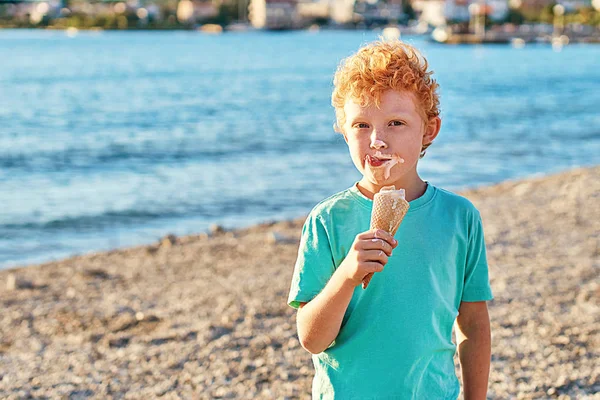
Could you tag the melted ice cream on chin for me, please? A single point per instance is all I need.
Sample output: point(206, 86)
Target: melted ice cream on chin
point(388, 165)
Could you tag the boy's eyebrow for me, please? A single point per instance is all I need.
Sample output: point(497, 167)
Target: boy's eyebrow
point(397, 115)
point(394, 115)
point(358, 118)
point(362, 117)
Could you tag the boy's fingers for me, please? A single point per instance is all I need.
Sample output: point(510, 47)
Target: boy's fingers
point(366, 281)
point(379, 244)
point(377, 234)
point(366, 235)
point(381, 234)
point(374, 267)
point(373, 255)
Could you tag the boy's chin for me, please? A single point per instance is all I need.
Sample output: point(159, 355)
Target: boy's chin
point(378, 178)
point(374, 183)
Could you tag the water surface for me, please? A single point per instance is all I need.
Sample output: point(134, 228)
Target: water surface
point(118, 138)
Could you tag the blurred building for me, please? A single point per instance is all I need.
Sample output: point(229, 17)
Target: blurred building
point(34, 10)
point(572, 5)
point(311, 10)
point(431, 12)
point(338, 11)
point(342, 11)
point(536, 6)
point(379, 12)
point(103, 7)
point(196, 10)
point(460, 10)
point(442, 12)
point(274, 14)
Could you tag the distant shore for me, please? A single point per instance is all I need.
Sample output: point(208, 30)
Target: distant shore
point(204, 316)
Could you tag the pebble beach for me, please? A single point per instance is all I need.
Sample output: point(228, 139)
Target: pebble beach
point(205, 316)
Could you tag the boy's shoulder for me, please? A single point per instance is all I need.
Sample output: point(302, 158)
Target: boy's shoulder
point(456, 201)
point(344, 201)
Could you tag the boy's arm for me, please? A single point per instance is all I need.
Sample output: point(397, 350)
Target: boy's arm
point(474, 348)
point(320, 319)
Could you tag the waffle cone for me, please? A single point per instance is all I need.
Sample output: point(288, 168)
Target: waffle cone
point(389, 209)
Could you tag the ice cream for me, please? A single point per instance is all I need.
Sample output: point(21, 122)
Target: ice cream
point(388, 165)
point(381, 163)
point(389, 208)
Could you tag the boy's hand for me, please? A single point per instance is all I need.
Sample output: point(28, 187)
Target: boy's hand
point(369, 253)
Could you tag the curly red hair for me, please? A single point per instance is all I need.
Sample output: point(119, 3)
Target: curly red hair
point(380, 66)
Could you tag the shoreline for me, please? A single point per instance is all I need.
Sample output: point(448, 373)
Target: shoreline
point(217, 228)
point(204, 316)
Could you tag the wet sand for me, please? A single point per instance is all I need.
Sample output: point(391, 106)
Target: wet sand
point(205, 316)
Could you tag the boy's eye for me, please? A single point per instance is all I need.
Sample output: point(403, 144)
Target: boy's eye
point(396, 123)
point(361, 125)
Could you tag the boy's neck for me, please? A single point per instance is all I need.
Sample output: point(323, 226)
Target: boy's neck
point(413, 190)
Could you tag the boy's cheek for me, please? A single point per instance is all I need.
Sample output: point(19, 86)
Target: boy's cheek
point(341, 131)
point(357, 159)
point(358, 155)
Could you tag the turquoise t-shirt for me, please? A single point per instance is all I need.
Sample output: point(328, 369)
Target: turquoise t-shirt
point(395, 341)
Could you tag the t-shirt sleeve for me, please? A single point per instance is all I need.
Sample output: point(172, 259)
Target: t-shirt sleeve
point(314, 265)
point(477, 283)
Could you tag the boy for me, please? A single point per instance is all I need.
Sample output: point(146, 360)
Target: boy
point(392, 340)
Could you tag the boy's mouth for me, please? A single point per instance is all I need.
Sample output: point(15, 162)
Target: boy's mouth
point(376, 161)
point(380, 159)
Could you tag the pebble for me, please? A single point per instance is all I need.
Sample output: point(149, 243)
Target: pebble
point(215, 229)
point(13, 282)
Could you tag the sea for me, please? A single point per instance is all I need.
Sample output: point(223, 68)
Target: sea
point(116, 139)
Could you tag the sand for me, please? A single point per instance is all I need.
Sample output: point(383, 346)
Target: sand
point(205, 316)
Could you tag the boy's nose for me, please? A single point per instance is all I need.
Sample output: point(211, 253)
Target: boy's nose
point(378, 144)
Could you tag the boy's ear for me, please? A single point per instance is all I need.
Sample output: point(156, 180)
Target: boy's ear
point(432, 129)
point(337, 129)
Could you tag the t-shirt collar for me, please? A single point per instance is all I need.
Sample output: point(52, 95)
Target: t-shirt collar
point(414, 205)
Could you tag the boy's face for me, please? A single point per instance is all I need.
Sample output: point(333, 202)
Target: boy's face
point(385, 142)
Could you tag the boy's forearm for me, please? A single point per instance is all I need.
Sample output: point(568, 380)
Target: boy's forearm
point(475, 354)
point(319, 321)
